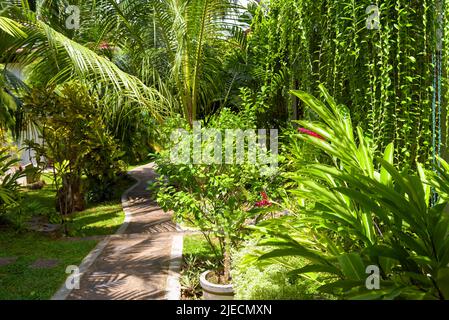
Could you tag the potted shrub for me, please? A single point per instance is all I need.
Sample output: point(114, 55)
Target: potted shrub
point(218, 199)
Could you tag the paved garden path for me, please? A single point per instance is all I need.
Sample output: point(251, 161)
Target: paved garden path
point(141, 261)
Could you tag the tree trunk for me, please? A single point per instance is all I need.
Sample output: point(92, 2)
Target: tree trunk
point(70, 197)
point(227, 262)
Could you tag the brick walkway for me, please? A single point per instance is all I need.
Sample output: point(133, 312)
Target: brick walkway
point(137, 263)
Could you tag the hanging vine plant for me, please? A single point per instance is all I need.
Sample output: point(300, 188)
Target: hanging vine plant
point(386, 70)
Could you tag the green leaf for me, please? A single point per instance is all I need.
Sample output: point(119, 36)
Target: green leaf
point(345, 285)
point(443, 282)
point(319, 268)
point(352, 266)
point(296, 251)
point(385, 177)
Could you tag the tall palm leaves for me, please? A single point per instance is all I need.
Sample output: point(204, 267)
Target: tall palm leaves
point(196, 29)
point(10, 88)
point(55, 57)
point(175, 45)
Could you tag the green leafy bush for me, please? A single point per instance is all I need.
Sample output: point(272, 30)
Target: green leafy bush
point(20, 214)
point(103, 165)
point(8, 181)
point(217, 198)
point(165, 130)
point(76, 142)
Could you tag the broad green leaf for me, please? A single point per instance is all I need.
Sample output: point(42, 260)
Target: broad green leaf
point(296, 251)
point(352, 266)
point(385, 177)
point(345, 285)
point(443, 282)
point(319, 268)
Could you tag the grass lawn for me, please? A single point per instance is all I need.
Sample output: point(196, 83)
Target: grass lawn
point(103, 218)
point(196, 245)
point(19, 280)
point(197, 258)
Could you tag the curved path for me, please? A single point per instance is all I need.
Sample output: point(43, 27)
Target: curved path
point(141, 261)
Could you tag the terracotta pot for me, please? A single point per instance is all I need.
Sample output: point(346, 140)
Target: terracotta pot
point(212, 291)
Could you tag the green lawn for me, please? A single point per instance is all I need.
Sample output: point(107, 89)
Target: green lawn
point(101, 219)
point(18, 280)
point(197, 258)
point(196, 245)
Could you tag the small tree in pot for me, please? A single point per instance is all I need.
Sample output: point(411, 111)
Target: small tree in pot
point(212, 193)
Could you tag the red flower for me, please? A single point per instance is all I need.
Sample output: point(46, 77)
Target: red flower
point(264, 202)
point(310, 133)
point(104, 45)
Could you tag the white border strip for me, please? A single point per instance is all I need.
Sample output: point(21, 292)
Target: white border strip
point(63, 292)
point(125, 207)
point(173, 285)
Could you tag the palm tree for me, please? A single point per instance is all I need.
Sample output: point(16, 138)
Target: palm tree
point(164, 56)
point(38, 39)
point(176, 46)
point(10, 104)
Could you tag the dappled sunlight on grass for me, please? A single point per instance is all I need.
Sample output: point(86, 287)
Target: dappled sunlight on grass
point(19, 280)
point(99, 220)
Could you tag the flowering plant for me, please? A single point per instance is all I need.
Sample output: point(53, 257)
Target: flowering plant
point(310, 133)
point(264, 202)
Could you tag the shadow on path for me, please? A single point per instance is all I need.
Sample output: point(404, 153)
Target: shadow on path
point(133, 265)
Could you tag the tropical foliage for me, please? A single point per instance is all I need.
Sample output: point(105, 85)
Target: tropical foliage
point(364, 213)
point(8, 181)
point(358, 91)
point(382, 63)
point(74, 138)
